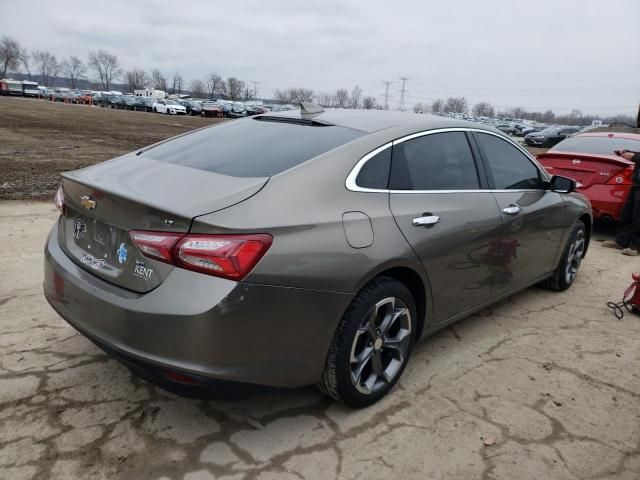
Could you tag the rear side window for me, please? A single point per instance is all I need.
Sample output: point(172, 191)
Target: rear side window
point(597, 145)
point(509, 167)
point(251, 148)
point(375, 172)
point(440, 161)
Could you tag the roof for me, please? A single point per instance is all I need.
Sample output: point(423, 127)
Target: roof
point(374, 120)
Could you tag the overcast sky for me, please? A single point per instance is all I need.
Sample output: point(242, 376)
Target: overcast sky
point(558, 54)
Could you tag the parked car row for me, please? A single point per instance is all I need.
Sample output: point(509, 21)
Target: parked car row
point(171, 106)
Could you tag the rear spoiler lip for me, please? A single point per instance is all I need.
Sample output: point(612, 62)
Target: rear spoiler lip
point(582, 155)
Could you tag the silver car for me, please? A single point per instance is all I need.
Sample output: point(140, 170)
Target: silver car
point(292, 248)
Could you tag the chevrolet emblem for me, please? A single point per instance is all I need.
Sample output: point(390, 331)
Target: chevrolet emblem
point(86, 202)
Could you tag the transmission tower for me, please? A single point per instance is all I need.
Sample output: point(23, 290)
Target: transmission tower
point(386, 95)
point(255, 88)
point(402, 93)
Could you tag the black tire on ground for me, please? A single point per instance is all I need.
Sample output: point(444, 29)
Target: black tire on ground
point(572, 254)
point(336, 379)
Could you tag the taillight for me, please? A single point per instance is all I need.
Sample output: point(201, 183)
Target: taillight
point(227, 256)
point(158, 245)
point(58, 199)
point(623, 177)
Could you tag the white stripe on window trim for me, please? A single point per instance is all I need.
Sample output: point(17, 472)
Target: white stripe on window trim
point(351, 184)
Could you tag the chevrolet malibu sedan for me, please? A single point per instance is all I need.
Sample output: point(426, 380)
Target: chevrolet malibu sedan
point(305, 248)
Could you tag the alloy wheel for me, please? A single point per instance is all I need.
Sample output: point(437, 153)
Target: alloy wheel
point(380, 346)
point(574, 258)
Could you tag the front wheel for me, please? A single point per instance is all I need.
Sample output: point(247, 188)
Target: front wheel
point(371, 345)
point(572, 255)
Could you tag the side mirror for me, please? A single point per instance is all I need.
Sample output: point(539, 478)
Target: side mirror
point(562, 184)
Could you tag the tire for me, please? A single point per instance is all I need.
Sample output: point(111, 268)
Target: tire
point(362, 348)
point(572, 254)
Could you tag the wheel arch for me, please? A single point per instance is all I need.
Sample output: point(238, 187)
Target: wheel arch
point(417, 285)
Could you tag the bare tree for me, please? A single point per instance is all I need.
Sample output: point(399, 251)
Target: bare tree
point(284, 95)
point(213, 84)
point(369, 102)
point(302, 95)
point(437, 106)
point(324, 99)
point(198, 88)
point(73, 68)
point(356, 95)
point(25, 60)
point(233, 88)
point(455, 105)
point(137, 79)
point(341, 98)
point(46, 65)
point(484, 109)
point(294, 95)
point(10, 52)
point(418, 108)
point(158, 80)
point(247, 93)
point(106, 67)
point(177, 83)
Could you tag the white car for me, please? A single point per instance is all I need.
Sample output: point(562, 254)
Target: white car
point(169, 106)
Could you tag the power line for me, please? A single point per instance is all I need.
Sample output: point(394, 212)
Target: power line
point(386, 95)
point(403, 90)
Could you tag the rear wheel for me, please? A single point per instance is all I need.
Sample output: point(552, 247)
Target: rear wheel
point(372, 344)
point(572, 255)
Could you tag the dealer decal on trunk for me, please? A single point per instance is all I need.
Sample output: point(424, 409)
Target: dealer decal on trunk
point(93, 262)
point(142, 270)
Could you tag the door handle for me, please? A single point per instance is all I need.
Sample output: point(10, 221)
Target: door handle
point(425, 221)
point(511, 210)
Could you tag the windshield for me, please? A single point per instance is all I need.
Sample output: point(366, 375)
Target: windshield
point(172, 102)
point(239, 148)
point(597, 145)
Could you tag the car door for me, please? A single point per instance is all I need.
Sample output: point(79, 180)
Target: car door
point(532, 215)
point(439, 201)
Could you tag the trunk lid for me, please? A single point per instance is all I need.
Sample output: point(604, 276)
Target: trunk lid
point(587, 169)
point(106, 201)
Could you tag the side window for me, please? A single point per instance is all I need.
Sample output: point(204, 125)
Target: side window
point(509, 167)
point(441, 161)
point(375, 172)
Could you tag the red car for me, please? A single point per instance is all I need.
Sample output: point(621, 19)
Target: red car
point(590, 159)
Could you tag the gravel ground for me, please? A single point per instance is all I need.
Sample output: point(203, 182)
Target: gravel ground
point(543, 385)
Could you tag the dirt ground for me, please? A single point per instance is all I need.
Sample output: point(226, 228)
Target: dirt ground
point(541, 386)
point(39, 139)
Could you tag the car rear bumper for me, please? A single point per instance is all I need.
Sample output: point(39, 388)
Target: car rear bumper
point(199, 324)
point(606, 201)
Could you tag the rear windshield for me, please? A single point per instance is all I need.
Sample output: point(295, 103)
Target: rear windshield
point(251, 148)
point(597, 145)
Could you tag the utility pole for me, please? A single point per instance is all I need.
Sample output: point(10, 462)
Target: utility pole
point(255, 88)
point(402, 92)
point(387, 84)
